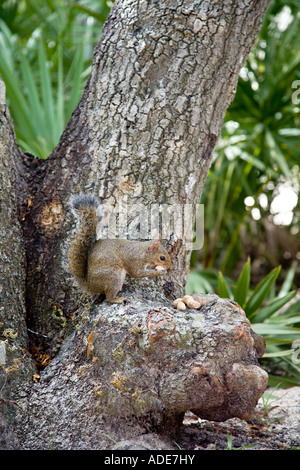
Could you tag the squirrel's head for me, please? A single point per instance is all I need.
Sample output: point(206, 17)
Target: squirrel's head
point(160, 258)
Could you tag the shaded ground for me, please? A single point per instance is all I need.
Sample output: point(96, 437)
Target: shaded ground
point(275, 426)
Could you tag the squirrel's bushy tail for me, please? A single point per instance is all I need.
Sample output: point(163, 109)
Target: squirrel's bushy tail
point(85, 210)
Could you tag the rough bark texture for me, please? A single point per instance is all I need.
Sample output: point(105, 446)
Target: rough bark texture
point(162, 78)
point(16, 365)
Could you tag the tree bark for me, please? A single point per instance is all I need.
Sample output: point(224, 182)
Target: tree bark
point(133, 371)
point(163, 75)
point(16, 365)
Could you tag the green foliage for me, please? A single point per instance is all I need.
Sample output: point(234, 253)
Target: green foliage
point(275, 317)
point(45, 54)
point(259, 148)
point(268, 400)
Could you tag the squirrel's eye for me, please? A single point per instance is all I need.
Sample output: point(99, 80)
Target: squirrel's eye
point(162, 258)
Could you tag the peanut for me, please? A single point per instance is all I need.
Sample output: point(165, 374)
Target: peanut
point(159, 268)
point(190, 302)
point(179, 304)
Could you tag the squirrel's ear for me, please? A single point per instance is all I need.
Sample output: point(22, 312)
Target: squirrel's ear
point(154, 246)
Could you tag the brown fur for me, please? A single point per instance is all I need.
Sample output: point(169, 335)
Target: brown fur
point(100, 266)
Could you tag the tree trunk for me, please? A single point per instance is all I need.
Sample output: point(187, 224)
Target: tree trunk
point(143, 133)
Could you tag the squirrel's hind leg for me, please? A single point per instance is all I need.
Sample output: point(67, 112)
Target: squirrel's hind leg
point(114, 284)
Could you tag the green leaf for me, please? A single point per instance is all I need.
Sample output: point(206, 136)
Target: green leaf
point(287, 352)
point(60, 96)
point(46, 90)
point(282, 381)
point(99, 16)
point(198, 282)
point(276, 154)
point(260, 292)
point(276, 331)
point(272, 307)
point(242, 286)
point(75, 78)
point(34, 105)
point(293, 308)
point(224, 290)
point(288, 281)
